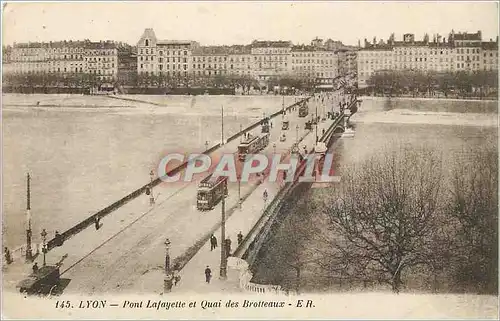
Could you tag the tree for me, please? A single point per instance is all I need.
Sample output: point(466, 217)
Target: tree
point(474, 207)
point(385, 216)
point(290, 252)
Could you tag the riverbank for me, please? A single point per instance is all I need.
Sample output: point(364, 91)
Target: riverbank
point(384, 98)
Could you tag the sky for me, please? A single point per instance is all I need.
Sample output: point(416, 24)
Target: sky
point(241, 22)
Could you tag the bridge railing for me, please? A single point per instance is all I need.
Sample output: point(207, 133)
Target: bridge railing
point(109, 209)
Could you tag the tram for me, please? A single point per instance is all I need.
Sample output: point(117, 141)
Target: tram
point(210, 192)
point(285, 124)
point(303, 110)
point(252, 145)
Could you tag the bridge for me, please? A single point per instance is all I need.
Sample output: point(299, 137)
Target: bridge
point(261, 216)
point(128, 252)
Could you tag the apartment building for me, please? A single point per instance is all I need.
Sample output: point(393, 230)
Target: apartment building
point(489, 59)
point(222, 60)
point(171, 58)
point(315, 62)
point(64, 58)
point(271, 58)
point(459, 52)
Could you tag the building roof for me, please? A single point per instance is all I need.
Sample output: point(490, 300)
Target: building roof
point(267, 44)
point(307, 48)
point(467, 36)
point(489, 45)
point(174, 42)
point(222, 50)
point(87, 44)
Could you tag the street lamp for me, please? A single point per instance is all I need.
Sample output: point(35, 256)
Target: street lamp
point(297, 134)
point(264, 196)
point(274, 148)
point(206, 145)
point(167, 282)
point(44, 245)
point(223, 258)
point(29, 254)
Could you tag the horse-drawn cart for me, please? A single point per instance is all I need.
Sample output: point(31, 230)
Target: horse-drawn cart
point(44, 281)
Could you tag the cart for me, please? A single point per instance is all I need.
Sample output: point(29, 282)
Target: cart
point(43, 282)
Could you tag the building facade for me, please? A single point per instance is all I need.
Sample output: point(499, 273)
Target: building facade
point(459, 52)
point(65, 58)
point(171, 58)
point(271, 59)
point(315, 62)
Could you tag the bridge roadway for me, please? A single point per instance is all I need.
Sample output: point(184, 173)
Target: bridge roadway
point(127, 255)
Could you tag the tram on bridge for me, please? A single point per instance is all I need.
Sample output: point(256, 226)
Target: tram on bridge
point(303, 110)
point(252, 145)
point(210, 192)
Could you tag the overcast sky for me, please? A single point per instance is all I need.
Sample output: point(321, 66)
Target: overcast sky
point(212, 23)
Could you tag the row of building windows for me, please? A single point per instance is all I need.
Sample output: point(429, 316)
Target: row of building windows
point(161, 52)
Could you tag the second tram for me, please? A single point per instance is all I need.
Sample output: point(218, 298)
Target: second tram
point(252, 145)
point(304, 110)
point(210, 192)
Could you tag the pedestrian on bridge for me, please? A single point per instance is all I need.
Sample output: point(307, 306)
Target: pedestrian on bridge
point(213, 242)
point(240, 238)
point(208, 274)
point(97, 223)
point(8, 257)
point(35, 268)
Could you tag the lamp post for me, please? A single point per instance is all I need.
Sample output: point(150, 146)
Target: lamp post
point(167, 282)
point(264, 196)
point(44, 245)
point(223, 258)
point(29, 254)
point(151, 196)
point(297, 134)
point(206, 145)
point(274, 148)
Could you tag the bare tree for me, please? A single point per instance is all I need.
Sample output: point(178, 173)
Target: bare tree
point(385, 215)
point(474, 206)
point(289, 252)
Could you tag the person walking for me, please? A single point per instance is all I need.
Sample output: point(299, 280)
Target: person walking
point(35, 268)
point(208, 274)
point(240, 238)
point(213, 242)
point(97, 223)
point(8, 257)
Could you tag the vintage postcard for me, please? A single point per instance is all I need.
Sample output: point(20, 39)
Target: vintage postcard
point(249, 160)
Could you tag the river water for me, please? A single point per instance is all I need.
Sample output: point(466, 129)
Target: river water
point(84, 153)
point(450, 127)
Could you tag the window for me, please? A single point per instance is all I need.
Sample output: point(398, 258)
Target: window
point(146, 43)
point(185, 52)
